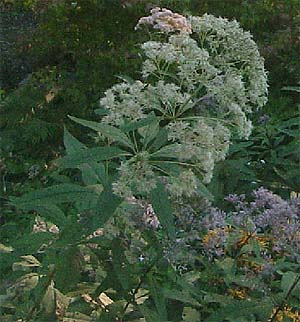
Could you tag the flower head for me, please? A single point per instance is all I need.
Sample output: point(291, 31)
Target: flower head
point(166, 21)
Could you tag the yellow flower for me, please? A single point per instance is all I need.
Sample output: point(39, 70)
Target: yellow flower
point(286, 311)
point(238, 293)
point(210, 235)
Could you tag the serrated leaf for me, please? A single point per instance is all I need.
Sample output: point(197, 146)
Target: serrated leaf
point(55, 194)
point(49, 211)
point(132, 126)
point(108, 131)
point(288, 281)
point(167, 151)
point(68, 269)
point(91, 155)
point(101, 111)
point(93, 173)
point(291, 88)
point(182, 296)
point(159, 300)
point(107, 204)
point(72, 145)
point(121, 265)
point(163, 208)
point(27, 282)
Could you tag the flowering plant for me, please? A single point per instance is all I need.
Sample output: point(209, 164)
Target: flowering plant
point(200, 79)
point(157, 142)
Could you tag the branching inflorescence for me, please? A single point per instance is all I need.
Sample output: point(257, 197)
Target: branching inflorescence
point(201, 77)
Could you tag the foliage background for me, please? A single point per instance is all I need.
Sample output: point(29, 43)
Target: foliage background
point(58, 57)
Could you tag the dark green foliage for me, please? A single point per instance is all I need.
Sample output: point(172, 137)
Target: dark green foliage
point(270, 158)
point(75, 51)
point(163, 208)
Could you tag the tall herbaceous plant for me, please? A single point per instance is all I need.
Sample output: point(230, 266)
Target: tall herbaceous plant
point(200, 79)
point(159, 137)
point(157, 142)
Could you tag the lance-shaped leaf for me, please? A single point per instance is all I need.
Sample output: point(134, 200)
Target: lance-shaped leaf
point(28, 263)
point(107, 204)
point(91, 155)
point(55, 194)
point(161, 139)
point(151, 133)
point(168, 151)
point(132, 126)
point(108, 131)
point(72, 145)
point(158, 297)
point(203, 191)
point(163, 208)
point(93, 173)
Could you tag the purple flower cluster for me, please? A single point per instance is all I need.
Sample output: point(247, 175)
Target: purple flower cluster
point(166, 21)
point(267, 214)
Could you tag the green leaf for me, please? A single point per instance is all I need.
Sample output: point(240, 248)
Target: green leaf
point(159, 299)
point(167, 151)
point(182, 296)
point(55, 194)
point(190, 315)
point(108, 131)
point(93, 173)
point(151, 133)
point(238, 310)
point(69, 264)
point(29, 262)
point(49, 300)
point(203, 191)
point(163, 208)
point(72, 145)
point(288, 281)
point(161, 139)
point(132, 126)
point(121, 266)
point(105, 207)
point(91, 155)
point(101, 111)
point(47, 210)
point(149, 315)
point(294, 121)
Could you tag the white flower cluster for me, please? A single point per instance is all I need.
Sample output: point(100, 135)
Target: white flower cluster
point(200, 82)
point(125, 102)
point(135, 175)
point(185, 184)
point(221, 58)
point(166, 21)
point(201, 143)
